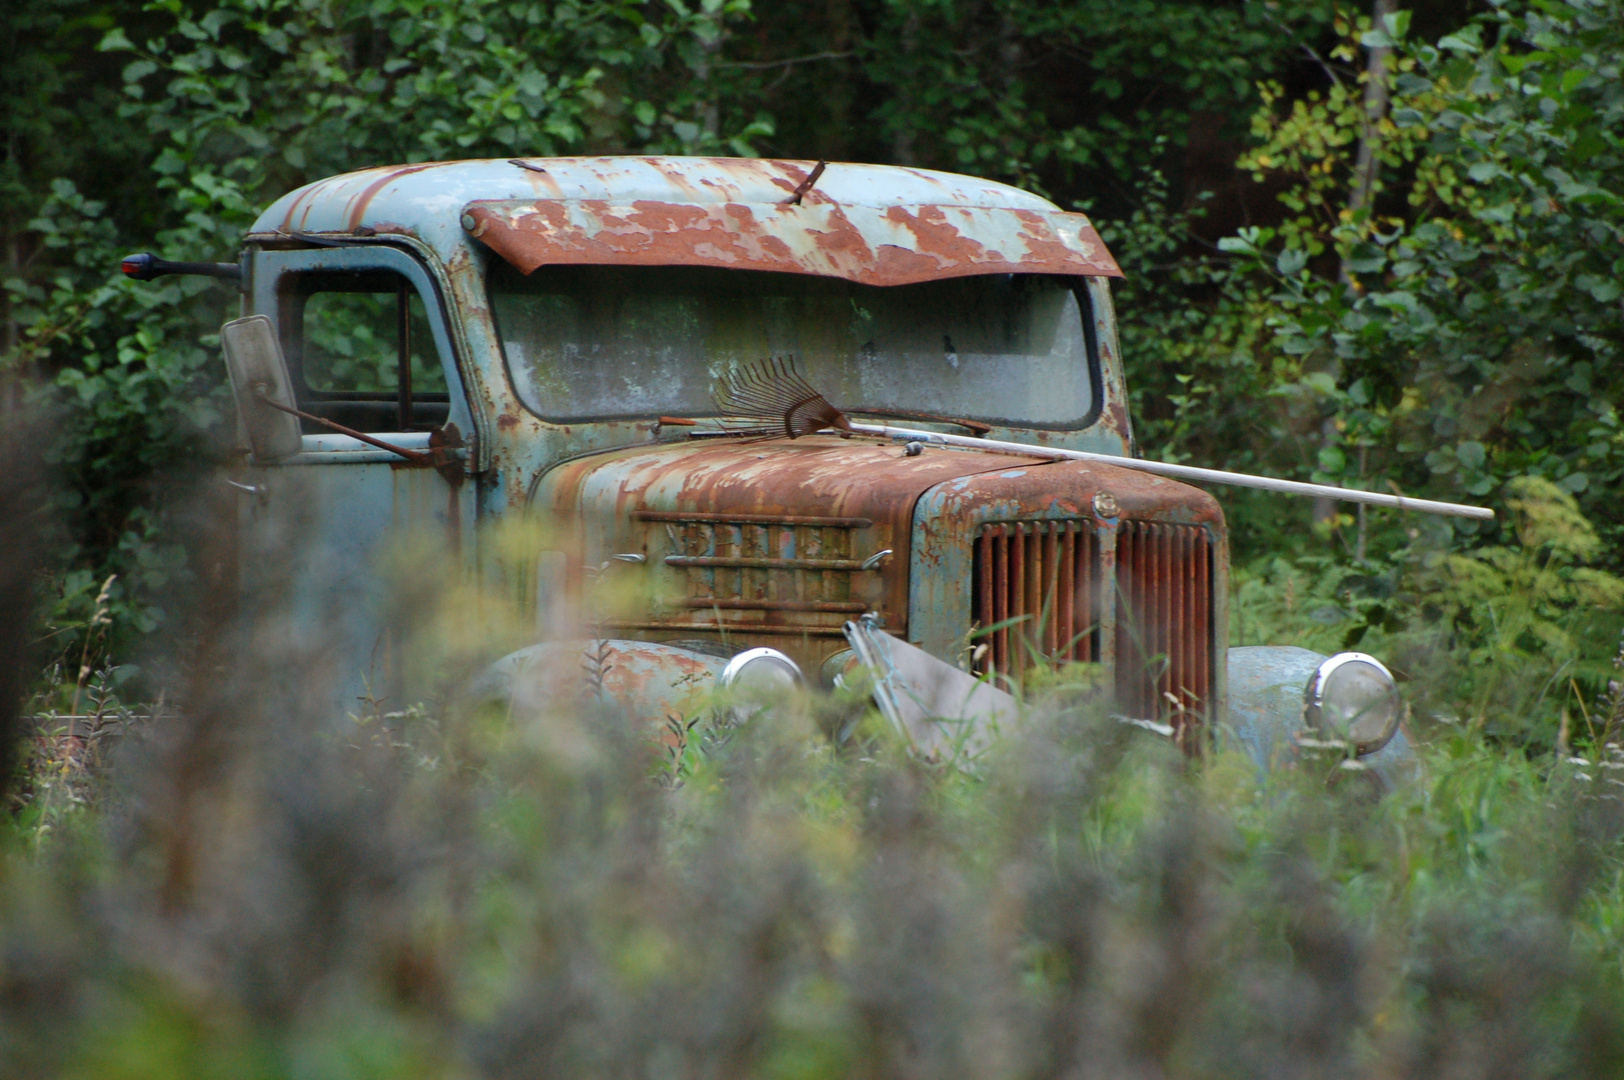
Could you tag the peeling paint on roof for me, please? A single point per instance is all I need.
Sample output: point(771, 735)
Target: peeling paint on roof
point(871, 223)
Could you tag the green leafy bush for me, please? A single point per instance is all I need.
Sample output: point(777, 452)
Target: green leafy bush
point(1477, 311)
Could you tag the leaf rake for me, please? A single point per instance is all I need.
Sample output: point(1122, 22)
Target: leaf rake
point(774, 392)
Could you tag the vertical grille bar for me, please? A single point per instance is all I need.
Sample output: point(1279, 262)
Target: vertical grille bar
point(1179, 652)
point(1202, 573)
point(1129, 659)
point(1086, 619)
point(1000, 598)
point(982, 590)
point(1051, 587)
point(1065, 589)
point(1163, 586)
point(1192, 666)
point(1016, 655)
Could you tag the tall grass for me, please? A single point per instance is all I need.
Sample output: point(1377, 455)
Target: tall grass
point(259, 885)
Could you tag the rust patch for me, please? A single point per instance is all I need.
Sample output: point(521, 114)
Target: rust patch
point(542, 181)
point(871, 245)
point(1116, 418)
point(844, 241)
point(287, 218)
point(359, 206)
point(936, 239)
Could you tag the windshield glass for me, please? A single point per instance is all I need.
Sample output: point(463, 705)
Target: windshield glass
point(595, 343)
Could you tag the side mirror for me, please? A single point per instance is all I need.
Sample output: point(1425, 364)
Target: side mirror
point(259, 376)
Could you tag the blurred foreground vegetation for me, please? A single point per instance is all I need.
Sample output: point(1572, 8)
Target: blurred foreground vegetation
point(1375, 251)
point(241, 882)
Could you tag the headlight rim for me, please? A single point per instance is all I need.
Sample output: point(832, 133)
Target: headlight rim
point(735, 666)
point(1314, 700)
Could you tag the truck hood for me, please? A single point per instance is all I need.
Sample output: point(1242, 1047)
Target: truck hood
point(789, 534)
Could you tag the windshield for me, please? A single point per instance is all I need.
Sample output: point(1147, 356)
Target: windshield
point(596, 343)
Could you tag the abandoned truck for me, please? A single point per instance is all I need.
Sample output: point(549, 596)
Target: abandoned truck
point(440, 345)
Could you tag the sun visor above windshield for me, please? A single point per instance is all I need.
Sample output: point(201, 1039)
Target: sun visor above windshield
point(895, 245)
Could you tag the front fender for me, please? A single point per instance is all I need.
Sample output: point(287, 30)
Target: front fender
point(650, 681)
point(1267, 686)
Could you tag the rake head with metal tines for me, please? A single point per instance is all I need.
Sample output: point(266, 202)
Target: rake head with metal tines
point(773, 391)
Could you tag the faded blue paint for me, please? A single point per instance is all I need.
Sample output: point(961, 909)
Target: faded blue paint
point(1268, 685)
point(428, 198)
point(345, 509)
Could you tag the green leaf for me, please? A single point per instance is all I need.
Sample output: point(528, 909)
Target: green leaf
point(1440, 461)
point(1405, 117)
point(1468, 40)
point(1320, 382)
point(1471, 454)
point(1366, 258)
point(1602, 290)
point(114, 40)
point(169, 163)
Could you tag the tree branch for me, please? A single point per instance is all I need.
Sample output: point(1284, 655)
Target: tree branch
point(765, 65)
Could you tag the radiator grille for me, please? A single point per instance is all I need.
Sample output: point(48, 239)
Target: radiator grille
point(803, 565)
point(1164, 619)
point(1045, 575)
point(1039, 582)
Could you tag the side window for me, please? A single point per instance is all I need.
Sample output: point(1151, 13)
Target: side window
point(360, 351)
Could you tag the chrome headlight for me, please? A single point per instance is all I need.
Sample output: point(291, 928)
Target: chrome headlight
point(762, 674)
point(1352, 696)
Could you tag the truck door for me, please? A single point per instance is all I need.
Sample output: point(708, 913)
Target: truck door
point(367, 343)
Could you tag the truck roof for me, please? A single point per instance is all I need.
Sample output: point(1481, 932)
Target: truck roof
point(876, 224)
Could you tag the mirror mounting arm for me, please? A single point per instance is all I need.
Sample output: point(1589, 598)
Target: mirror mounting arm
point(415, 457)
